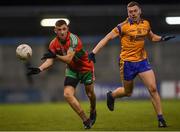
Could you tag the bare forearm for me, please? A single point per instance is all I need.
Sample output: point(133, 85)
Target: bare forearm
point(46, 64)
point(156, 38)
point(111, 35)
point(64, 59)
point(101, 44)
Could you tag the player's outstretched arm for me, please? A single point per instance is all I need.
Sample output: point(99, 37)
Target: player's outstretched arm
point(48, 55)
point(156, 38)
point(33, 70)
point(66, 58)
point(167, 37)
point(37, 70)
point(111, 35)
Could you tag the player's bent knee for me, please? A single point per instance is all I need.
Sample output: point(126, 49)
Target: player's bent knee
point(153, 89)
point(90, 95)
point(67, 95)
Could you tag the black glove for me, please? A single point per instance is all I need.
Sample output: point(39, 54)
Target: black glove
point(91, 57)
point(33, 70)
point(167, 37)
point(49, 54)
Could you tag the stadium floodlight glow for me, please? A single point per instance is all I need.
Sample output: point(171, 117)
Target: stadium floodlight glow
point(50, 22)
point(173, 20)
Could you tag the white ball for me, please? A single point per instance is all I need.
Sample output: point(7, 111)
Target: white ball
point(24, 52)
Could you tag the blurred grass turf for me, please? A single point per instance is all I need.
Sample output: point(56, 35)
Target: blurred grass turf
point(130, 115)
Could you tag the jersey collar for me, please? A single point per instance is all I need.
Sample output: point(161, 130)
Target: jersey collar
point(131, 21)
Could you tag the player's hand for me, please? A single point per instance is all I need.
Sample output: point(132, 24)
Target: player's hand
point(33, 70)
point(49, 54)
point(91, 57)
point(167, 37)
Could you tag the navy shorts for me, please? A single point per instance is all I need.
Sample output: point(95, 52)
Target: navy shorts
point(129, 70)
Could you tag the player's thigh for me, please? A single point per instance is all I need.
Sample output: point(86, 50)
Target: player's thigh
point(69, 90)
point(71, 78)
point(70, 84)
point(149, 79)
point(89, 88)
point(128, 85)
point(86, 78)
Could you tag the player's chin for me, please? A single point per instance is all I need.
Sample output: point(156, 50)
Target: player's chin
point(62, 38)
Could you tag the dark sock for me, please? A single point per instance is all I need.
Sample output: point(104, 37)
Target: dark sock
point(160, 117)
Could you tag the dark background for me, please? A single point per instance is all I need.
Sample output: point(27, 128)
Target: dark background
point(22, 18)
point(84, 2)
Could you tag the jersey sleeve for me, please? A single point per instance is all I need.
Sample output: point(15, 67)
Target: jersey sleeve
point(52, 46)
point(121, 27)
point(74, 42)
point(116, 30)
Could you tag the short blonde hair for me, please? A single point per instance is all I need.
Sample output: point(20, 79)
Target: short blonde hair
point(133, 3)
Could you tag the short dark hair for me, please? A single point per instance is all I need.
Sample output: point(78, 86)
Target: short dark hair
point(60, 23)
point(133, 3)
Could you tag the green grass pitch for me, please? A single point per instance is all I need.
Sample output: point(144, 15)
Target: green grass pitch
point(128, 115)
